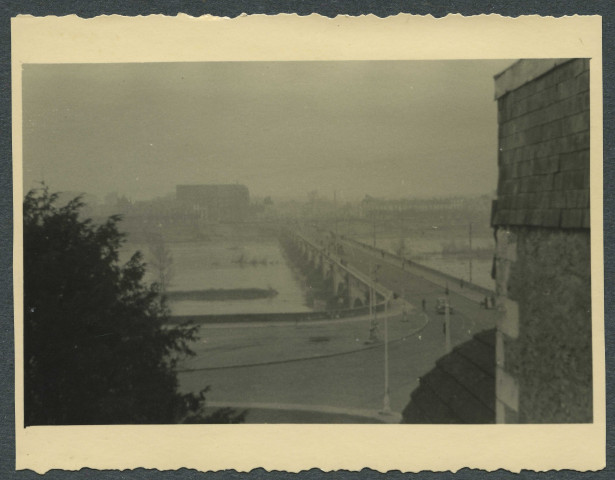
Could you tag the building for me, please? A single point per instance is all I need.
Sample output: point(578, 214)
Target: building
point(541, 350)
point(541, 220)
point(216, 203)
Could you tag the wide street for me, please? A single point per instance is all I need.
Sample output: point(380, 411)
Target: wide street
point(327, 365)
point(415, 285)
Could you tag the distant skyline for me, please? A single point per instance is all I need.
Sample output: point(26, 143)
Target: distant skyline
point(381, 128)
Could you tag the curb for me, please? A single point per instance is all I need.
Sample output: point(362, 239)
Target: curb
point(390, 418)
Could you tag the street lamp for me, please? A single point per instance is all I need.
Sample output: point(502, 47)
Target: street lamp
point(470, 234)
point(447, 325)
point(373, 308)
point(386, 401)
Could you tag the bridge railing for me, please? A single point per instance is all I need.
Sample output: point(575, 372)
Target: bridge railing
point(380, 289)
point(433, 271)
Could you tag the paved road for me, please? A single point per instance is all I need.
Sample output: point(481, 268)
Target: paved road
point(227, 345)
point(424, 273)
point(355, 380)
point(414, 285)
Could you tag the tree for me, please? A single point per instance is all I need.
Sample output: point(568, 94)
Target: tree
point(161, 260)
point(96, 347)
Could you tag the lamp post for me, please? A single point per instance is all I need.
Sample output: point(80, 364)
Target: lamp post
point(470, 235)
point(386, 401)
point(371, 296)
point(335, 218)
point(373, 333)
point(375, 294)
point(374, 228)
point(447, 325)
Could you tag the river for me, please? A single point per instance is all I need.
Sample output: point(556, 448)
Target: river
point(227, 265)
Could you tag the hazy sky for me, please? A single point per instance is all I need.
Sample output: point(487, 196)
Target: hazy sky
point(387, 129)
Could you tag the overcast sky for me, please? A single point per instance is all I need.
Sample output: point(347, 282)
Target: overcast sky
point(387, 129)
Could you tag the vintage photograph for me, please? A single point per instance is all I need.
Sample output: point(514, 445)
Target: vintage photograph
point(307, 242)
point(289, 243)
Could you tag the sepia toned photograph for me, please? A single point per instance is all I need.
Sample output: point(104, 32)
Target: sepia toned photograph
point(253, 249)
point(307, 242)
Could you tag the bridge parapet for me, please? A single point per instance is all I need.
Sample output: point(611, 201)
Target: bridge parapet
point(357, 283)
point(391, 257)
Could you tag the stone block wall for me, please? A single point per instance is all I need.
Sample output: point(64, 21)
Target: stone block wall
point(543, 341)
point(541, 219)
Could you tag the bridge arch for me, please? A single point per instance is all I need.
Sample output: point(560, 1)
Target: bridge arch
point(351, 287)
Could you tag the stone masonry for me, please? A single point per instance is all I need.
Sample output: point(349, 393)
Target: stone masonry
point(541, 220)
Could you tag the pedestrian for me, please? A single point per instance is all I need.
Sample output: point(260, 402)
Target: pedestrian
point(424, 305)
point(446, 290)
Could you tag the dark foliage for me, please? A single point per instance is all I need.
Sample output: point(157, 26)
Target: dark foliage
point(96, 347)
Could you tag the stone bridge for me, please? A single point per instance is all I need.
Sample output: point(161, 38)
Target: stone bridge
point(346, 282)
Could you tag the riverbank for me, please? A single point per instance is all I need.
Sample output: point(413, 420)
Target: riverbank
point(221, 294)
point(206, 278)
